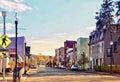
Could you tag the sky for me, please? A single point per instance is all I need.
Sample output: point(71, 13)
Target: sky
point(46, 24)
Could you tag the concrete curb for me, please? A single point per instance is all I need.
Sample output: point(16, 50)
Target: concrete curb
point(101, 73)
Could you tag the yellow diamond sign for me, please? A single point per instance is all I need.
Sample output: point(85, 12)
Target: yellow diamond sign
point(5, 41)
point(4, 54)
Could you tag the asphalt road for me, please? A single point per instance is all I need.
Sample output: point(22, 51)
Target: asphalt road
point(43, 74)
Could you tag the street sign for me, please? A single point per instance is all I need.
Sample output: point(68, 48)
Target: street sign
point(12, 51)
point(5, 41)
point(4, 53)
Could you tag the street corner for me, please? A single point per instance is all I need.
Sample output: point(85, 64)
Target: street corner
point(23, 79)
point(10, 79)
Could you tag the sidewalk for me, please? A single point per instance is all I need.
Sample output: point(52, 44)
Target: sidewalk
point(101, 73)
point(9, 77)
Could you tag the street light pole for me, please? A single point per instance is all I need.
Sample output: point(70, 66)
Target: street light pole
point(25, 60)
point(83, 56)
point(4, 58)
point(4, 15)
point(16, 23)
point(111, 55)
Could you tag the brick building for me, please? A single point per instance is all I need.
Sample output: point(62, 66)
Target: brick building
point(99, 45)
point(69, 45)
point(112, 34)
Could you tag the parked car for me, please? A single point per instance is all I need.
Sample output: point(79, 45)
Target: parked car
point(74, 67)
point(33, 66)
point(62, 67)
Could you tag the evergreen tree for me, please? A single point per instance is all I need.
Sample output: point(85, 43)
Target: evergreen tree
point(105, 16)
point(118, 11)
point(118, 6)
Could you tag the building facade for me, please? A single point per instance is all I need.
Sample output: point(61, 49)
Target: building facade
point(112, 35)
point(96, 45)
point(21, 44)
point(100, 45)
point(68, 46)
point(83, 53)
point(62, 55)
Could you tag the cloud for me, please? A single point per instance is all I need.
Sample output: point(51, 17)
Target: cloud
point(18, 0)
point(15, 5)
point(9, 26)
point(41, 41)
point(46, 47)
point(11, 35)
point(61, 35)
point(85, 36)
point(91, 28)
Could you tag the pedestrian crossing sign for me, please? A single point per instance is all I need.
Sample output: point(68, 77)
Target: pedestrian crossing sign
point(5, 41)
point(4, 53)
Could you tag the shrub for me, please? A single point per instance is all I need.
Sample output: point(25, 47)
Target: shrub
point(97, 68)
point(115, 68)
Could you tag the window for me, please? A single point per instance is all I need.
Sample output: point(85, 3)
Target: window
point(102, 47)
point(115, 47)
point(108, 52)
point(96, 61)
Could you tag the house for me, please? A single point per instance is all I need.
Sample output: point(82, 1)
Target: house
point(101, 41)
point(96, 45)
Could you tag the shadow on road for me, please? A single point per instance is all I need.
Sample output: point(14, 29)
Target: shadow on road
point(63, 72)
point(56, 72)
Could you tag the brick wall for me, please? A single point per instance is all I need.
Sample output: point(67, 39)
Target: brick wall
point(115, 48)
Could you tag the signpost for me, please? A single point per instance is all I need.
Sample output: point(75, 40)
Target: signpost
point(5, 41)
point(4, 53)
point(12, 53)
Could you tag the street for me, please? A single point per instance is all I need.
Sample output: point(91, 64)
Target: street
point(60, 41)
point(46, 74)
